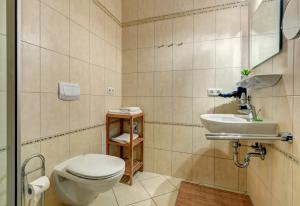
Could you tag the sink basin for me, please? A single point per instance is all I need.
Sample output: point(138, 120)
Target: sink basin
point(237, 124)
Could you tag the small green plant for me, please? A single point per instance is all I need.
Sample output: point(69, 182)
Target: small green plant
point(246, 72)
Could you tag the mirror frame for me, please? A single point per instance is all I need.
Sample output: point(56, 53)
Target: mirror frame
point(251, 13)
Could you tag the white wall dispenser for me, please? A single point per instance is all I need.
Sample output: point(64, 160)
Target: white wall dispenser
point(68, 91)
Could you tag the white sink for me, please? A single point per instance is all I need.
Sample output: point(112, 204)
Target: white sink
point(237, 124)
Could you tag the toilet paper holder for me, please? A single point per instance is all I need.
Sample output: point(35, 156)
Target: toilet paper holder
point(24, 175)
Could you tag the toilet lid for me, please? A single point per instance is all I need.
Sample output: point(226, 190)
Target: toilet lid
point(96, 166)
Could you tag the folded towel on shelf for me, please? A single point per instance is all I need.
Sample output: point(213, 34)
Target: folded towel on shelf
point(124, 138)
point(119, 111)
point(130, 109)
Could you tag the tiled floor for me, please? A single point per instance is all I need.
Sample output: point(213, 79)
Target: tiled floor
point(149, 189)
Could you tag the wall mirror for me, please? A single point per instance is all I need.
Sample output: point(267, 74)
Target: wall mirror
point(265, 31)
point(291, 20)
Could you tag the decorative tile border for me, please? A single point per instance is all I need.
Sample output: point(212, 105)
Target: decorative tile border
point(174, 124)
point(41, 139)
point(286, 154)
point(3, 149)
point(172, 15)
point(105, 10)
point(186, 13)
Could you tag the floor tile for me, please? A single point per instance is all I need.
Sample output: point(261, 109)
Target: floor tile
point(105, 199)
point(145, 203)
point(174, 181)
point(158, 186)
point(146, 175)
point(127, 194)
point(167, 199)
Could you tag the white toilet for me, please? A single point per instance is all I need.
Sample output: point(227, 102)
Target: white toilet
point(80, 180)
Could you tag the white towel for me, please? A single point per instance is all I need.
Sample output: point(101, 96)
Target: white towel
point(124, 138)
point(118, 111)
point(130, 109)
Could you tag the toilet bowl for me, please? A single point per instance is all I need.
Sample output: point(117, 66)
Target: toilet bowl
point(81, 179)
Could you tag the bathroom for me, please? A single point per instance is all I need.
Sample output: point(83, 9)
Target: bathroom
point(173, 59)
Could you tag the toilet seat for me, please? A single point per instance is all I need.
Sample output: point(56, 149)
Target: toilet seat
point(96, 166)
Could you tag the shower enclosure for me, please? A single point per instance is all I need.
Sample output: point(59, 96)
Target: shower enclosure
point(9, 110)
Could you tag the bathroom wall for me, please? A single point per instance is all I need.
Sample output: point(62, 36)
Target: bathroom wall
point(3, 109)
point(70, 41)
point(275, 181)
point(172, 52)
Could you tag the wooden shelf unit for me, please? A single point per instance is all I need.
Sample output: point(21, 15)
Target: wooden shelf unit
point(132, 165)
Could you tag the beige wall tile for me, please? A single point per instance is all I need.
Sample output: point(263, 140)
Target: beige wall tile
point(110, 30)
point(97, 110)
point(227, 78)
point(3, 119)
point(110, 56)
point(202, 146)
point(145, 84)
point(129, 84)
point(146, 35)
point(97, 52)
point(26, 152)
point(95, 140)
point(202, 80)
point(146, 8)
point(182, 164)
point(203, 3)
point(204, 55)
point(147, 105)
point(80, 112)
point(297, 68)
point(202, 106)
point(62, 6)
point(183, 29)
point(183, 56)
point(163, 109)
point(79, 143)
point(30, 116)
point(163, 32)
point(183, 83)
point(80, 74)
point(130, 37)
point(146, 59)
point(129, 10)
point(97, 17)
point(183, 5)
point(3, 67)
point(54, 68)
point(163, 7)
point(228, 23)
point(284, 112)
point(130, 61)
point(296, 128)
point(162, 136)
point(97, 80)
point(163, 58)
point(128, 101)
point(54, 30)
point(226, 174)
point(31, 21)
point(54, 115)
point(183, 110)
point(203, 169)
point(225, 59)
point(163, 162)
point(61, 147)
point(31, 68)
point(3, 17)
point(223, 149)
point(149, 159)
point(79, 42)
point(182, 140)
point(163, 83)
point(281, 187)
point(296, 184)
point(204, 25)
point(149, 135)
point(79, 12)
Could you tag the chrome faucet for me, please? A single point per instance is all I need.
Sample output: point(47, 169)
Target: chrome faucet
point(247, 107)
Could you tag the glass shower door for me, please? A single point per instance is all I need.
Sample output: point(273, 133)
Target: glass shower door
point(9, 154)
point(3, 108)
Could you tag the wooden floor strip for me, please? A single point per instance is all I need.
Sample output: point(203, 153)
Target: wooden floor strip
point(196, 195)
